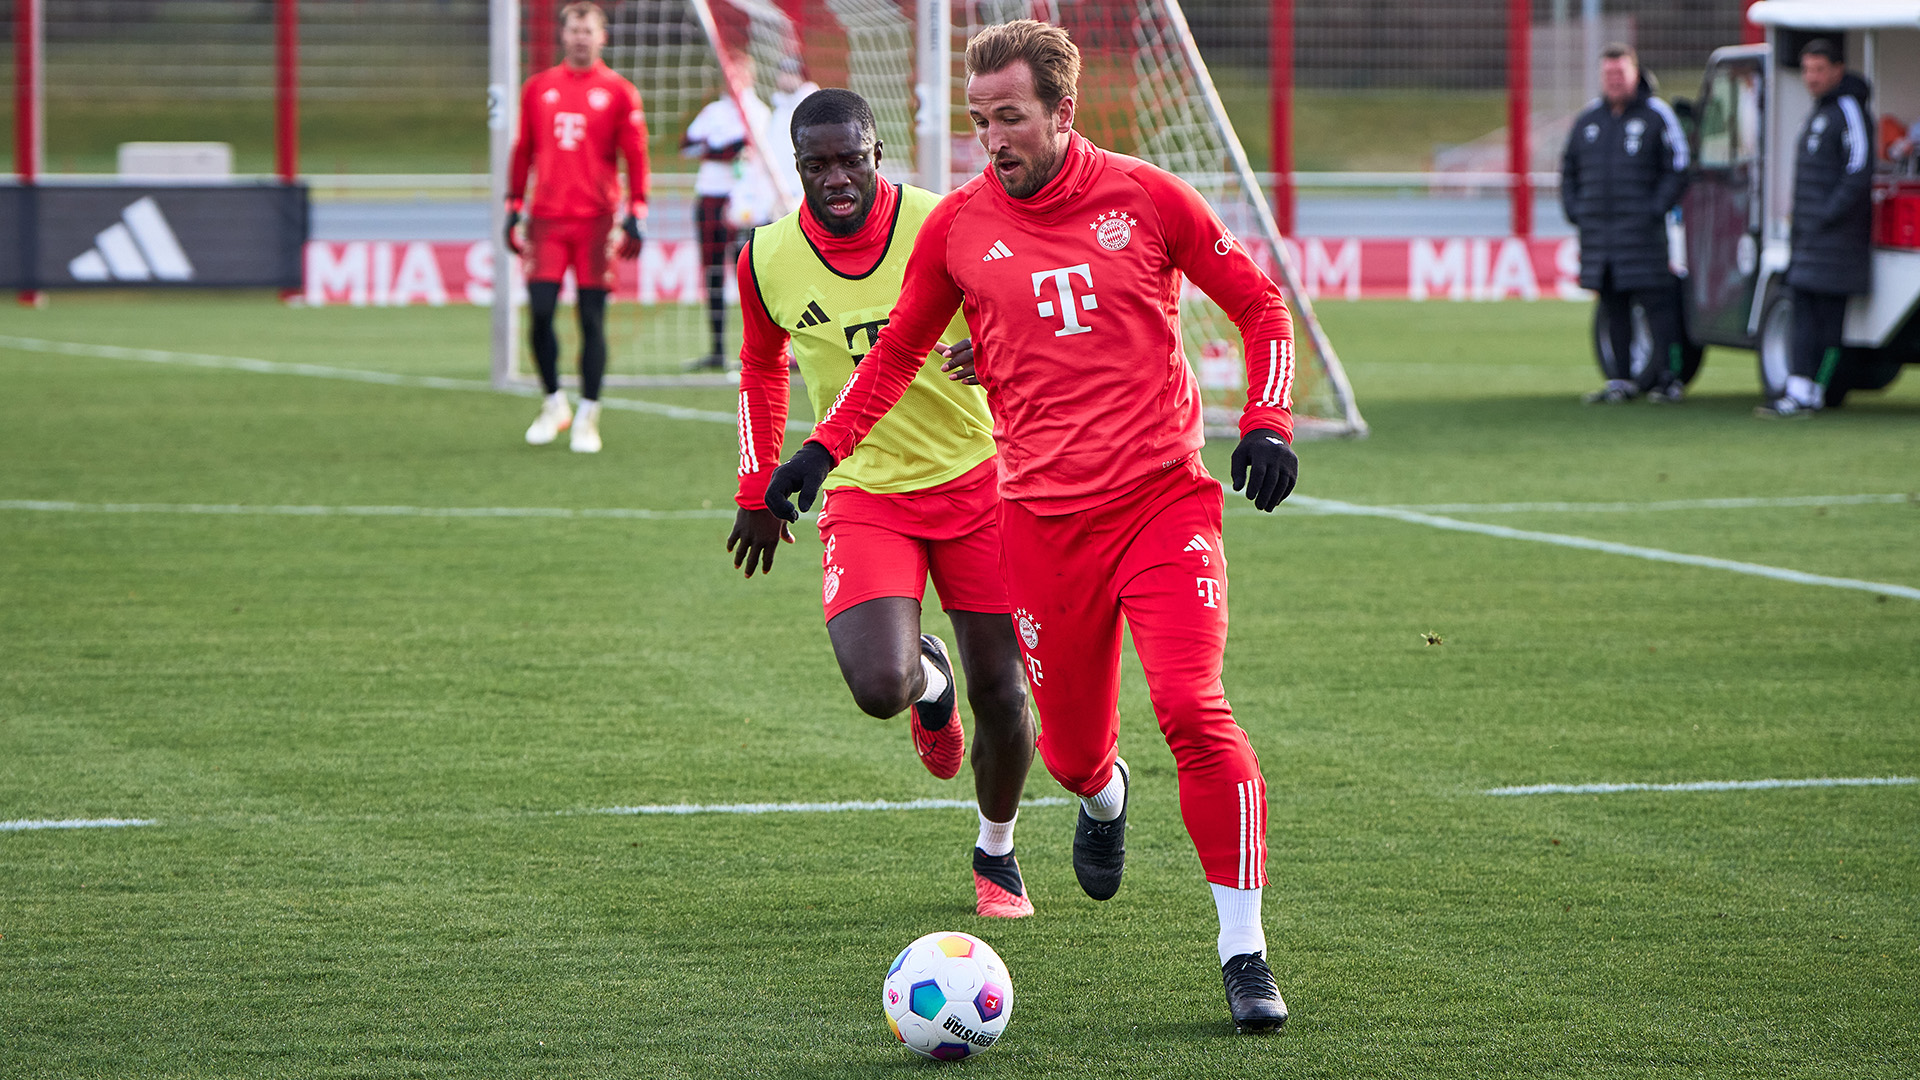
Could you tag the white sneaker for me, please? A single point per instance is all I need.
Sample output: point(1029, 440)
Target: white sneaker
point(586, 428)
point(555, 417)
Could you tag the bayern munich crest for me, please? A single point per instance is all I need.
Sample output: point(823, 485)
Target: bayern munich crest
point(599, 98)
point(1029, 626)
point(1113, 229)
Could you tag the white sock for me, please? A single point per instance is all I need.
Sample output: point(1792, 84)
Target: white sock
point(1803, 391)
point(1109, 801)
point(936, 683)
point(996, 837)
point(589, 410)
point(558, 397)
point(1240, 929)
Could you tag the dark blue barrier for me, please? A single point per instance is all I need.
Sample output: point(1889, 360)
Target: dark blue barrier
point(217, 236)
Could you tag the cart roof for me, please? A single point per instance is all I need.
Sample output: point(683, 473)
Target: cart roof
point(1836, 14)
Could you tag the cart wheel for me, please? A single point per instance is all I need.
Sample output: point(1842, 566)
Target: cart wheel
point(1775, 346)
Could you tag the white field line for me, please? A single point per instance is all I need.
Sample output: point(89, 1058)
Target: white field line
point(672, 810)
point(53, 506)
point(1757, 503)
point(1797, 577)
point(24, 825)
point(813, 807)
point(1704, 785)
point(1303, 502)
point(323, 371)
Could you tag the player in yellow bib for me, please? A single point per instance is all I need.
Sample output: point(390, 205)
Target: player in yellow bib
point(918, 497)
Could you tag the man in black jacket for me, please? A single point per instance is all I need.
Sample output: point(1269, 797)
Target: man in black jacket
point(1624, 167)
point(1832, 224)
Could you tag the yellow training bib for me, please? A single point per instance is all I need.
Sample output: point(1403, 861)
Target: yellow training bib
point(941, 428)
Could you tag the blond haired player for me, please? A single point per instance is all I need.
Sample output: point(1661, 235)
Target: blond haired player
point(1068, 260)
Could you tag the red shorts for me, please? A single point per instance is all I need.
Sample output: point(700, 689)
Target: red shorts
point(1150, 561)
point(581, 244)
point(886, 545)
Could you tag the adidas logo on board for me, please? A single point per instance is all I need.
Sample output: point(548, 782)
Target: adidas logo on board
point(139, 247)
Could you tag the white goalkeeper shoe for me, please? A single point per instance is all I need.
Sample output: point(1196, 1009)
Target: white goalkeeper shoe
point(586, 428)
point(555, 417)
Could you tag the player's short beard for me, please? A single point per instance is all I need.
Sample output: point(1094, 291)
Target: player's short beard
point(1039, 170)
point(848, 226)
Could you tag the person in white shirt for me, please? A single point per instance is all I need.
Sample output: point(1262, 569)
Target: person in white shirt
point(718, 137)
point(793, 88)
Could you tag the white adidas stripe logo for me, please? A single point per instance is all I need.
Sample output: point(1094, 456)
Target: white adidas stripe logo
point(139, 247)
point(999, 250)
point(1198, 543)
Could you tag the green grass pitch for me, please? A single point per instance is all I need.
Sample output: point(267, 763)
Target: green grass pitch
point(373, 745)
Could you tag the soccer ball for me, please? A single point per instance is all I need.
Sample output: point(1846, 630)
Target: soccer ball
point(947, 996)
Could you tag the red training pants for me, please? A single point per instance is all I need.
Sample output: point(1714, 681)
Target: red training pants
point(1153, 557)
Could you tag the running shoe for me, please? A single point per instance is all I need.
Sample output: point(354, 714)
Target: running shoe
point(1100, 847)
point(1610, 394)
point(1252, 996)
point(555, 417)
point(937, 735)
point(586, 428)
point(999, 893)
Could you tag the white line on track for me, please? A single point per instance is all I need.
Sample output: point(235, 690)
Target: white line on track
point(323, 371)
point(1705, 785)
point(25, 825)
point(1335, 506)
point(812, 807)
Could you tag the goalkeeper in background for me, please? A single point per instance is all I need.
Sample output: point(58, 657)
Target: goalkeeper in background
point(917, 497)
point(575, 120)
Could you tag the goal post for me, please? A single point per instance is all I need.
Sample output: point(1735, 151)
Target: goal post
point(503, 122)
point(1338, 389)
point(1145, 91)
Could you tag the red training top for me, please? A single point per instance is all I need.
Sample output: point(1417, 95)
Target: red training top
point(571, 125)
point(764, 348)
point(1073, 296)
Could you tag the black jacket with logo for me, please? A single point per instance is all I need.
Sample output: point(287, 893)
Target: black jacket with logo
point(1619, 176)
point(1833, 194)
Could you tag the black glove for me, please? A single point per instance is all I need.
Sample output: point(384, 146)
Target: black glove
point(1272, 464)
point(634, 231)
point(513, 222)
point(803, 472)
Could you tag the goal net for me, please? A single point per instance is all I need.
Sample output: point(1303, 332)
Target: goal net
point(1144, 90)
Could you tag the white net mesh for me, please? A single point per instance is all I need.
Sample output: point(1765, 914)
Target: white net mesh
point(1145, 91)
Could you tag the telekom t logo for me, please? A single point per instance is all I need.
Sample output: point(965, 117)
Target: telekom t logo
point(1209, 591)
point(569, 128)
point(1062, 279)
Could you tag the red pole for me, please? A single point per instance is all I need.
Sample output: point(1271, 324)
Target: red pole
point(1520, 112)
point(27, 106)
point(286, 89)
point(1749, 33)
point(795, 11)
point(542, 34)
point(1280, 108)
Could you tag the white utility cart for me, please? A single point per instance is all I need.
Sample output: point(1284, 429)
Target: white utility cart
point(1735, 212)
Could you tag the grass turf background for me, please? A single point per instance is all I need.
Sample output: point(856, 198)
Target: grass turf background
point(372, 743)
